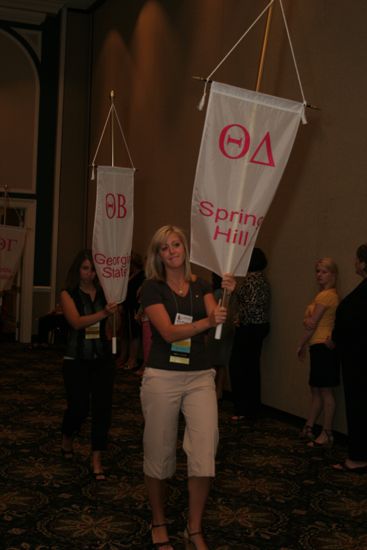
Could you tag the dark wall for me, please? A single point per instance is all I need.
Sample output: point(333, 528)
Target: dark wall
point(74, 181)
point(49, 73)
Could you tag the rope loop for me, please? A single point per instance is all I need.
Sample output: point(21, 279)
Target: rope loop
point(208, 78)
point(111, 113)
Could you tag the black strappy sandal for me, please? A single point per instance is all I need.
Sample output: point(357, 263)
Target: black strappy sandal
point(188, 538)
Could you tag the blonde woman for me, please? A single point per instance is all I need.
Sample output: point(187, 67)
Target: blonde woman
point(324, 367)
point(178, 378)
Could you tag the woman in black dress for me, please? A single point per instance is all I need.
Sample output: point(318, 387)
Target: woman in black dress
point(349, 335)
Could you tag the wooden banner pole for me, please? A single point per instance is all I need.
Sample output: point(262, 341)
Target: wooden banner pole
point(264, 47)
point(112, 95)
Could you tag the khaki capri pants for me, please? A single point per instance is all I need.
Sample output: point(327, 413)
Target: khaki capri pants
point(163, 395)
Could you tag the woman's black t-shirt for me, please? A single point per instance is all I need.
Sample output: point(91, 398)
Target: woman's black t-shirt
point(158, 292)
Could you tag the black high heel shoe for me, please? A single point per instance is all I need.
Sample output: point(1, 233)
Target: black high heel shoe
point(160, 545)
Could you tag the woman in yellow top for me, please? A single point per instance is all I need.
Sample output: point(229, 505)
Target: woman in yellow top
point(324, 367)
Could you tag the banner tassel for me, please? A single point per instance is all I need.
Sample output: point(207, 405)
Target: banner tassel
point(303, 113)
point(202, 100)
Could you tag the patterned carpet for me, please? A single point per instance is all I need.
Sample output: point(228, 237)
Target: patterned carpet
point(271, 492)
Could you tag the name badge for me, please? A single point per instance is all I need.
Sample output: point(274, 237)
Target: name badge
point(180, 350)
point(92, 332)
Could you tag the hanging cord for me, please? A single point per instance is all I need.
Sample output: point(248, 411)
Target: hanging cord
point(100, 141)
point(294, 60)
point(112, 111)
point(123, 137)
point(208, 79)
point(202, 101)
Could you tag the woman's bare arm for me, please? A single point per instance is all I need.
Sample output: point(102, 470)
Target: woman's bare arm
point(310, 325)
point(78, 321)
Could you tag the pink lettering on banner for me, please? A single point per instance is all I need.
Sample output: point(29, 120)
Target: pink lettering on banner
point(7, 244)
point(235, 141)
point(101, 259)
point(114, 273)
point(242, 142)
point(269, 153)
point(114, 267)
point(233, 236)
point(231, 231)
point(207, 209)
point(115, 205)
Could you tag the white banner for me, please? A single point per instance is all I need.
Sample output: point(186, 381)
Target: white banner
point(113, 230)
point(12, 241)
point(246, 142)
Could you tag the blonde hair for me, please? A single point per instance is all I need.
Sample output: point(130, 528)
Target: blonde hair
point(329, 264)
point(154, 267)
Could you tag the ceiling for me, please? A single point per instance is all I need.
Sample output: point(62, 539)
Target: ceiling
point(35, 11)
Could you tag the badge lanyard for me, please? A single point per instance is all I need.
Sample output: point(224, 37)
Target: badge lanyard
point(180, 350)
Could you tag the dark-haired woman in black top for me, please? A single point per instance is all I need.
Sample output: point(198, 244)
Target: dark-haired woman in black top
point(253, 302)
point(88, 369)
